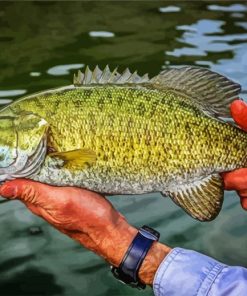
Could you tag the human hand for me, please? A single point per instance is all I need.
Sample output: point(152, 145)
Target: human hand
point(237, 180)
point(83, 215)
point(86, 217)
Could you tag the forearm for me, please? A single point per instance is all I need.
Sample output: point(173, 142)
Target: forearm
point(155, 256)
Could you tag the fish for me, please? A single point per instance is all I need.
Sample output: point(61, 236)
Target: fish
point(123, 134)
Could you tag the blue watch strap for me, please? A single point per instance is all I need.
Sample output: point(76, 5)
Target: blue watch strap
point(127, 271)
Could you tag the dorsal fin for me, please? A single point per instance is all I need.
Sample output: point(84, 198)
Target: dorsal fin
point(210, 90)
point(107, 76)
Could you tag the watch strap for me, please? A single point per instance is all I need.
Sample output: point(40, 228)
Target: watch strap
point(127, 272)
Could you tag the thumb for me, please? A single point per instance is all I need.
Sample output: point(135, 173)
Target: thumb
point(239, 113)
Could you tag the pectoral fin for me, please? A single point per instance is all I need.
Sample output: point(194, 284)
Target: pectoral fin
point(76, 159)
point(202, 199)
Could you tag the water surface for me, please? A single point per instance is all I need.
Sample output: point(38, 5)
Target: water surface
point(41, 45)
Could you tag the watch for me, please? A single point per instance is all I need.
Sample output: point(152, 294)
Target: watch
point(127, 272)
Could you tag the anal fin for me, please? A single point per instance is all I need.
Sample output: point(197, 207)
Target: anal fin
point(201, 199)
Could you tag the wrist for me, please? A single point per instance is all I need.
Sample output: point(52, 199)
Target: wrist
point(152, 261)
point(121, 239)
point(112, 242)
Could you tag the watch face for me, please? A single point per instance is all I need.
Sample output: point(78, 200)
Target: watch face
point(149, 233)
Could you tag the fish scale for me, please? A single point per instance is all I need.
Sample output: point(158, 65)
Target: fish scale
point(114, 123)
point(131, 135)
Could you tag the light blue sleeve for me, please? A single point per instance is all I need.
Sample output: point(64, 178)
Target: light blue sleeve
point(189, 273)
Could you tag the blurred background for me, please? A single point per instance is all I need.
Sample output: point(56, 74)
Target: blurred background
point(41, 45)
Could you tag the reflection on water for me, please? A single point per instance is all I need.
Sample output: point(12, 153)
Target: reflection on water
point(101, 34)
point(63, 69)
point(169, 9)
point(5, 101)
point(40, 49)
point(200, 39)
point(35, 74)
point(12, 93)
point(229, 8)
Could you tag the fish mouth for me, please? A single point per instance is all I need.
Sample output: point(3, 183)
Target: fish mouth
point(25, 165)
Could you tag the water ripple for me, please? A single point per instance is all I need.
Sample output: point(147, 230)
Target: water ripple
point(35, 74)
point(63, 69)
point(242, 24)
point(230, 8)
point(169, 9)
point(5, 101)
point(104, 34)
point(12, 93)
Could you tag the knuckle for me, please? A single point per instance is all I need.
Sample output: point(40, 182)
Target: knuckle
point(29, 194)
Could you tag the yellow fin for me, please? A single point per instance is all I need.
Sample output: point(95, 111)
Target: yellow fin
point(75, 158)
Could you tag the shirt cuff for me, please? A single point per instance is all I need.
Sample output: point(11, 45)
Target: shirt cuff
point(185, 272)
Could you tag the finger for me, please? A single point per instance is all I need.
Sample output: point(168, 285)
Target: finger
point(26, 190)
point(235, 180)
point(239, 113)
point(47, 196)
point(244, 203)
point(243, 198)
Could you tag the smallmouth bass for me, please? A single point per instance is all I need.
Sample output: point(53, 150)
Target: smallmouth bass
point(125, 134)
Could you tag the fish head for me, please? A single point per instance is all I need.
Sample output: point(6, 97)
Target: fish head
point(8, 142)
point(22, 145)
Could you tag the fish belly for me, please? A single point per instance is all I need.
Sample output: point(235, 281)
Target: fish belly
point(106, 184)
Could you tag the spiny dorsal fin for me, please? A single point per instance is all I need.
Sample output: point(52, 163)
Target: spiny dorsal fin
point(210, 90)
point(201, 199)
point(107, 76)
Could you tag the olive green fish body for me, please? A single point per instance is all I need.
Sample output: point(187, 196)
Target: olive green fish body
point(134, 138)
point(143, 139)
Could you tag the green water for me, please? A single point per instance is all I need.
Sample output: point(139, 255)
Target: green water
point(41, 43)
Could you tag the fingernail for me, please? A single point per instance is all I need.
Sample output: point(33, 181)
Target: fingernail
point(8, 190)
